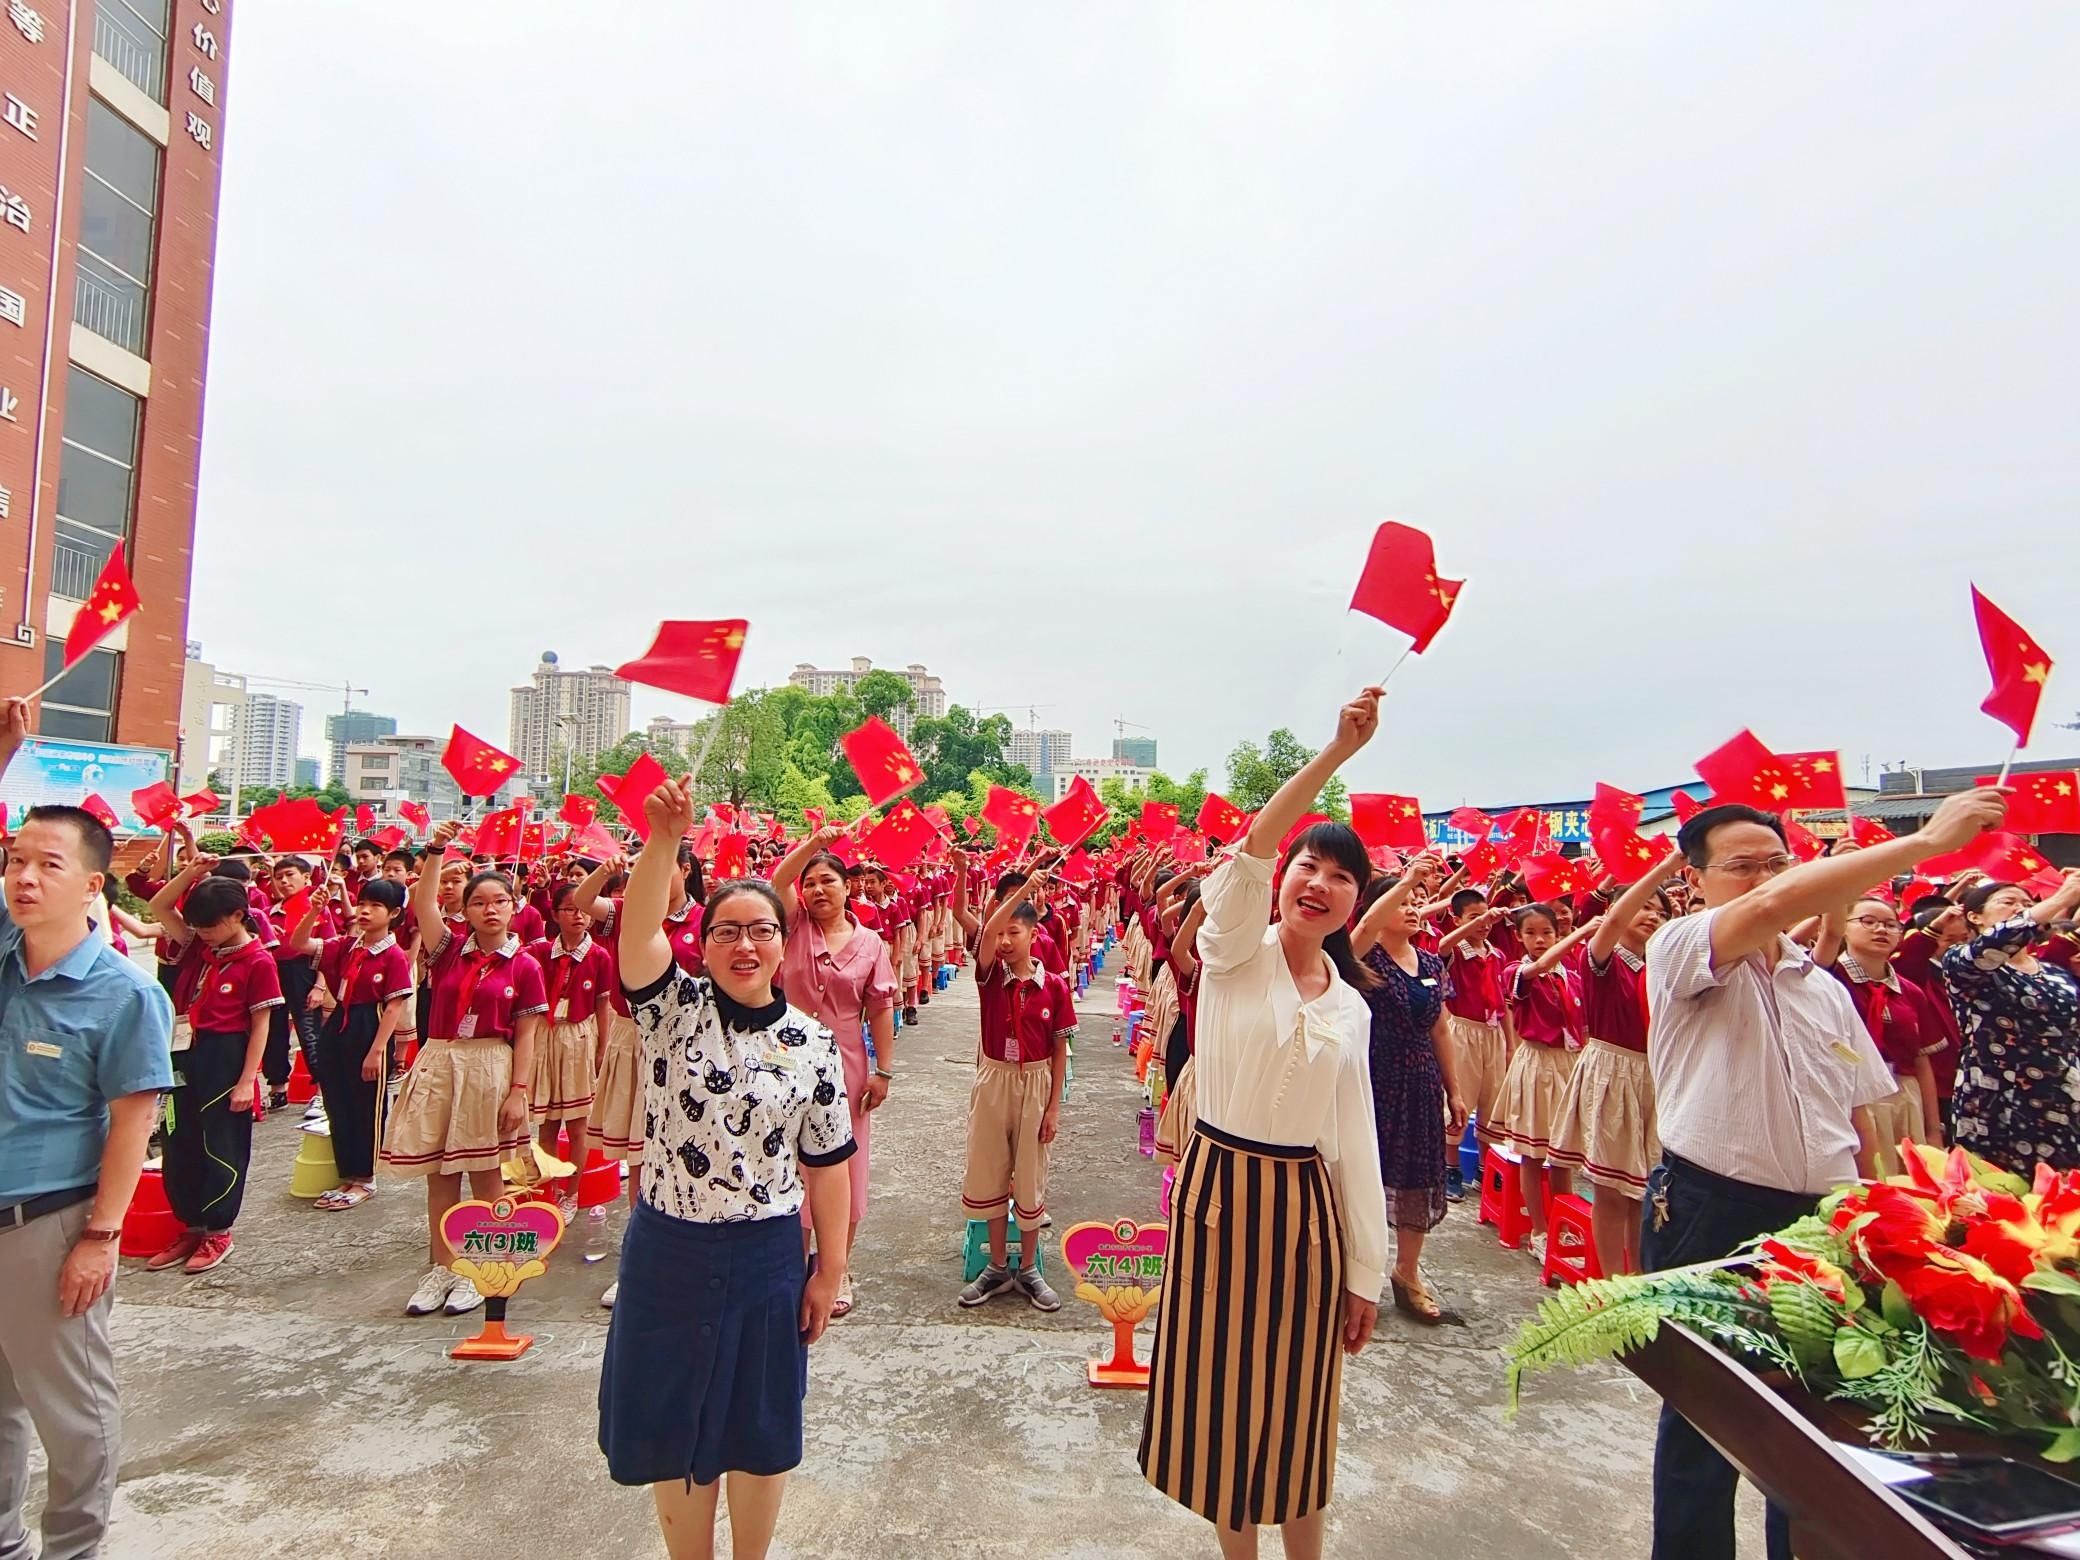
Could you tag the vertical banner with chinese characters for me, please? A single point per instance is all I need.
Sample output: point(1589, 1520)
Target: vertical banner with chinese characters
point(36, 88)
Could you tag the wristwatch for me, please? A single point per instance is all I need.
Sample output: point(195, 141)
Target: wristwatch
point(883, 1072)
point(101, 1237)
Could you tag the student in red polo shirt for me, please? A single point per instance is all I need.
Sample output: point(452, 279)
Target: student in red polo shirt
point(1860, 945)
point(1473, 1003)
point(1015, 1107)
point(1543, 1018)
point(580, 974)
point(228, 989)
point(363, 995)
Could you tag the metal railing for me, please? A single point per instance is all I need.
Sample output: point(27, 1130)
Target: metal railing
point(74, 568)
point(133, 48)
point(107, 304)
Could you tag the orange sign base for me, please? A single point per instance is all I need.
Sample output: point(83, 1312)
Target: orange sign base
point(1122, 1370)
point(493, 1343)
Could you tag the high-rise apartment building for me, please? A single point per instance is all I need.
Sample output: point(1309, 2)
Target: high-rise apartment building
point(265, 733)
point(346, 729)
point(210, 698)
point(1042, 752)
point(582, 713)
point(1135, 750)
point(663, 729)
point(928, 694)
point(1097, 771)
point(110, 134)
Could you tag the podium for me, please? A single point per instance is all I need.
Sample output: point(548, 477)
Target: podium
point(1837, 1510)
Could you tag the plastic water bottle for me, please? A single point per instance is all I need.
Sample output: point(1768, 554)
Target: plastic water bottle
point(595, 1232)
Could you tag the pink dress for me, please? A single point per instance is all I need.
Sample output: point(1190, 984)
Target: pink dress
point(842, 991)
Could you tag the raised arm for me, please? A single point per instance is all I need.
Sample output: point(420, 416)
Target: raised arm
point(999, 918)
point(165, 907)
point(1610, 926)
point(1355, 725)
point(1566, 945)
point(789, 872)
point(645, 954)
point(1755, 920)
point(426, 892)
point(1466, 929)
point(1365, 935)
point(1181, 945)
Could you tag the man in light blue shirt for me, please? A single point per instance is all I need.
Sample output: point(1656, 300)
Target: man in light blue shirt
point(85, 1050)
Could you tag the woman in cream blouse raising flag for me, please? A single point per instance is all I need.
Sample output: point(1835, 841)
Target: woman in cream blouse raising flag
point(1278, 1239)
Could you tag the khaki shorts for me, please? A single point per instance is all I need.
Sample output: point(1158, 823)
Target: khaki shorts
point(1480, 1060)
point(1006, 1158)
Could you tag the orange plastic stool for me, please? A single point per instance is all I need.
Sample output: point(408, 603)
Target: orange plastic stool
point(1570, 1242)
point(1502, 1198)
point(151, 1225)
point(303, 1088)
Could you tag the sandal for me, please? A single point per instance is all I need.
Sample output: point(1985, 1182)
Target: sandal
point(345, 1197)
point(842, 1306)
point(1419, 1304)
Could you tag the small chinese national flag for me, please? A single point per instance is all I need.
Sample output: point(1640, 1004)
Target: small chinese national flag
point(1159, 821)
point(1381, 819)
point(1613, 807)
point(1686, 806)
point(1221, 818)
point(95, 807)
point(1804, 843)
point(900, 838)
point(577, 811)
point(499, 833)
point(364, 818)
point(1077, 816)
point(1997, 853)
point(631, 790)
point(1307, 821)
point(2045, 802)
point(390, 837)
point(877, 755)
point(1012, 814)
point(698, 660)
point(1481, 861)
point(1742, 770)
point(593, 841)
point(1401, 587)
point(2019, 666)
point(1554, 877)
point(1471, 820)
point(971, 826)
point(203, 801)
point(414, 813)
point(1868, 831)
point(156, 805)
point(1816, 779)
point(112, 599)
point(478, 767)
point(732, 857)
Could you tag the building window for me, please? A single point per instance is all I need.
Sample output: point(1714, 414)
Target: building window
point(97, 480)
point(81, 705)
point(119, 200)
point(131, 35)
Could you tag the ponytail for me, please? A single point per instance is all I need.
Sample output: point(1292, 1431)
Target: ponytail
point(1337, 945)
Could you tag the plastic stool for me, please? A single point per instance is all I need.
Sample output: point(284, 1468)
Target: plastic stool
point(975, 1254)
point(315, 1171)
point(1502, 1198)
point(303, 1088)
point(1570, 1242)
point(1470, 1155)
point(151, 1225)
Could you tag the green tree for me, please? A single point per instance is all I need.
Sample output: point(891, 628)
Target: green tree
point(883, 692)
point(1255, 774)
point(954, 746)
point(748, 756)
point(617, 759)
point(796, 791)
point(331, 797)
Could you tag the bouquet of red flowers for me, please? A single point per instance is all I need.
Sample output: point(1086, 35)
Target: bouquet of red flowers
point(1947, 1296)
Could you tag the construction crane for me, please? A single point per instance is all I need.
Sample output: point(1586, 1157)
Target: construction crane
point(1120, 723)
point(1032, 711)
point(344, 689)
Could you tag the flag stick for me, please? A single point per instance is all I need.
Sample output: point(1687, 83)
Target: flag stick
point(2008, 763)
point(1411, 650)
point(693, 775)
point(36, 693)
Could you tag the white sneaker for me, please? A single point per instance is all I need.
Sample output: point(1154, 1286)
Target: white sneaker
point(567, 1205)
point(313, 1110)
point(1536, 1245)
point(613, 1289)
point(463, 1298)
point(432, 1290)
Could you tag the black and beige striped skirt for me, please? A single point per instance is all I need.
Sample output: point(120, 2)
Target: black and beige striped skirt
point(1248, 1366)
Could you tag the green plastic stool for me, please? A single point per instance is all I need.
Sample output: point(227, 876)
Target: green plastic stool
point(976, 1257)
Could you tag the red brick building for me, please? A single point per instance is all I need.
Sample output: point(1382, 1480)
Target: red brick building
point(111, 121)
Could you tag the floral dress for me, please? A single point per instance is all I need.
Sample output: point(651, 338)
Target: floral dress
point(1408, 1088)
point(2018, 1082)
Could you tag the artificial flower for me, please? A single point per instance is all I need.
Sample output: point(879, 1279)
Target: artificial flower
point(1782, 1264)
point(1964, 1300)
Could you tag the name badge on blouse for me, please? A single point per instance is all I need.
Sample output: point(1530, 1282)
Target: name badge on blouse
point(466, 1027)
point(1845, 1053)
point(1429, 980)
point(183, 1035)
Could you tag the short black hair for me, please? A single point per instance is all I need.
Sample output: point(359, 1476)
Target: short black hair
point(293, 863)
point(1026, 913)
point(381, 891)
point(367, 845)
point(1694, 838)
point(1927, 908)
point(1538, 908)
point(403, 856)
point(214, 901)
point(96, 844)
point(233, 869)
point(1466, 897)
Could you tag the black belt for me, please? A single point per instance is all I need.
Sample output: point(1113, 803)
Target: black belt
point(29, 1208)
point(1773, 1197)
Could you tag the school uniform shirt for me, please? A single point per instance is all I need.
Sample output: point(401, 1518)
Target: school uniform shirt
point(1895, 1012)
point(682, 929)
point(528, 925)
point(1614, 1000)
point(322, 928)
point(167, 950)
point(1918, 960)
point(1545, 1009)
point(1024, 1016)
point(736, 1101)
point(865, 911)
point(1474, 972)
point(381, 972)
point(2062, 949)
point(1054, 951)
point(479, 995)
point(576, 977)
point(226, 989)
point(260, 916)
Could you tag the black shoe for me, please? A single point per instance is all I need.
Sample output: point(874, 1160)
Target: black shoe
point(909, 1015)
point(277, 1099)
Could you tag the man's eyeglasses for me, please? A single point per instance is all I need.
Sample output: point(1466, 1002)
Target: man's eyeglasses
point(1747, 867)
point(730, 932)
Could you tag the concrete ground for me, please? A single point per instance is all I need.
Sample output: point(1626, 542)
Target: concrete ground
point(284, 1406)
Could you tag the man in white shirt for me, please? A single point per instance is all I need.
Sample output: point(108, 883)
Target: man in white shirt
point(1762, 1075)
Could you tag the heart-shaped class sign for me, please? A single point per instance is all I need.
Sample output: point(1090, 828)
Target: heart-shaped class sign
point(499, 1245)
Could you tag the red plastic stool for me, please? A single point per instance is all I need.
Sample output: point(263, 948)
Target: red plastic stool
point(1502, 1198)
point(303, 1088)
point(150, 1226)
point(1570, 1242)
point(407, 1053)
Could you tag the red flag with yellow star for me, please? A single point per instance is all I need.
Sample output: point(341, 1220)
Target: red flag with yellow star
point(1686, 806)
point(1381, 819)
point(1221, 818)
point(1743, 770)
point(96, 807)
point(2045, 802)
point(478, 767)
point(628, 792)
point(2005, 857)
point(1816, 779)
point(1012, 814)
point(112, 599)
point(1159, 822)
point(156, 805)
point(1077, 816)
point(1868, 831)
point(900, 838)
point(698, 660)
point(1804, 843)
point(2019, 666)
point(884, 766)
point(1553, 877)
point(1401, 586)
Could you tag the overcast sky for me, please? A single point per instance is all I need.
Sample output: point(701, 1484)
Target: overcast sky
point(1074, 351)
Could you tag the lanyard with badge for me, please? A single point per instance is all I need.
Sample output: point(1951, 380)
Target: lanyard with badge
point(473, 972)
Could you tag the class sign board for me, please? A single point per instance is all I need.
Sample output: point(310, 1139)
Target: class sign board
point(1119, 1269)
point(498, 1246)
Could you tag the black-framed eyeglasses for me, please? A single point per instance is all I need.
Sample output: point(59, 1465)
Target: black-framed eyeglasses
point(731, 932)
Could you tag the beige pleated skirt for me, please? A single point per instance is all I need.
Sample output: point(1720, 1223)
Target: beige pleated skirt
point(1898, 1116)
point(1531, 1093)
point(617, 1100)
point(1248, 1367)
point(446, 1120)
point(1180, 1116)
point(563, 1082)
point(1606, 1123)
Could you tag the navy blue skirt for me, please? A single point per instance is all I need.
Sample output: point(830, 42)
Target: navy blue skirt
point(705, 1369)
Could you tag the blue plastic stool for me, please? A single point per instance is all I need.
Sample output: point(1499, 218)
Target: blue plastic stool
point(975, 1256)
point(1470, 1156)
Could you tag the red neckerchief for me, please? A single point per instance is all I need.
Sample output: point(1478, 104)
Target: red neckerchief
point(209, 957)
point(474, 968)
point(562, 965)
